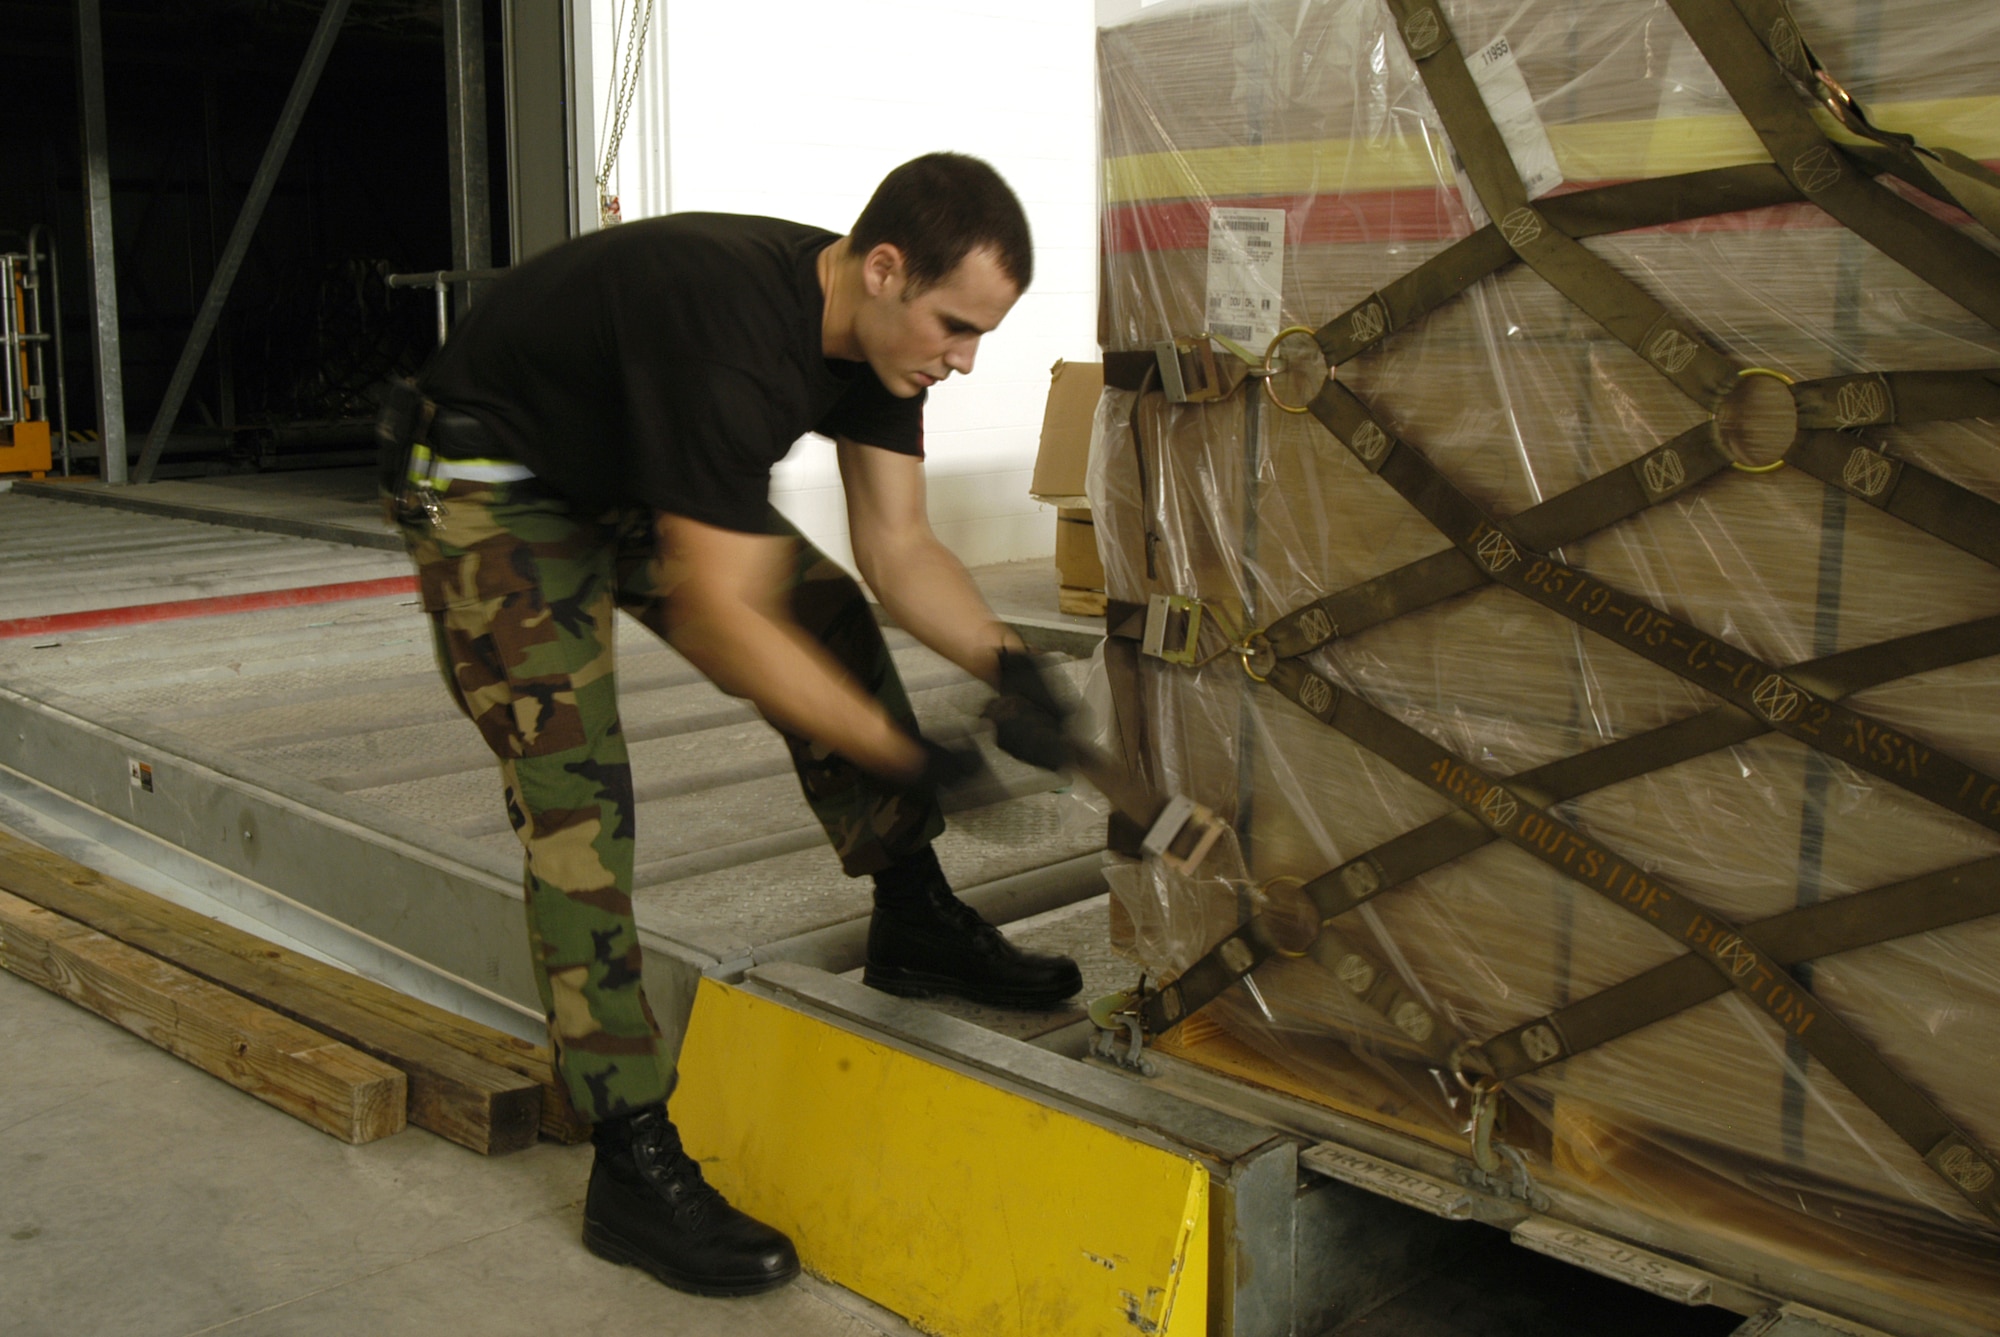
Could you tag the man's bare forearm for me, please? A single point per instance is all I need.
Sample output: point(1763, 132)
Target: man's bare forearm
point(927, 591)
point(795, 683)
point(726, 614)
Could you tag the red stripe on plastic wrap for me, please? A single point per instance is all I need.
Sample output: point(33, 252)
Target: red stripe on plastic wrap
point(1413, 214)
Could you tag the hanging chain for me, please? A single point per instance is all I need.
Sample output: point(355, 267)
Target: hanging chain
point(623, 97)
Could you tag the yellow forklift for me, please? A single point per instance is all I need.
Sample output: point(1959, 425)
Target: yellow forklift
point(25, 339)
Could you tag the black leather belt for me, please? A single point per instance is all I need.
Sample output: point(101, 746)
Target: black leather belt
point(457, 435)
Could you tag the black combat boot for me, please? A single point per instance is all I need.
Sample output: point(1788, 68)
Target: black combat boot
point(924, 941)
point(649, 1207)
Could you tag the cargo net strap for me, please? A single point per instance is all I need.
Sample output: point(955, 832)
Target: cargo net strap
point(1755, 48)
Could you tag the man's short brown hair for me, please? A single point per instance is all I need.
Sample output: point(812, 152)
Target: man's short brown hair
point(938, 209)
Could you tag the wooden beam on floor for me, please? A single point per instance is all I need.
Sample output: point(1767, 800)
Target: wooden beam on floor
point(336, 1089)
point(467, 1082)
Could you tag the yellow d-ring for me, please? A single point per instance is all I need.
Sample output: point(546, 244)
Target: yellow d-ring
point(1776, 464)
point(1247, 648)
point(1270, 369)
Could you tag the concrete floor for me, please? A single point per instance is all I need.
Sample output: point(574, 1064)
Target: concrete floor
point(141, 1198)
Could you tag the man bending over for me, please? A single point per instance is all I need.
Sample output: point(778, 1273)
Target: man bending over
point(598, 433)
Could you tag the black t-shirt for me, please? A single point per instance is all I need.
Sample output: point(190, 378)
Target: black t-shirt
point(671, 362)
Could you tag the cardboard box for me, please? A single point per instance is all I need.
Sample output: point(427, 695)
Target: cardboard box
point(1065, 450)
point(1079, 569)
point(1077, 562)
point(1060, 468)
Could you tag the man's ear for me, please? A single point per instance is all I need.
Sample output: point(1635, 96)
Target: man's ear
point(882, 270)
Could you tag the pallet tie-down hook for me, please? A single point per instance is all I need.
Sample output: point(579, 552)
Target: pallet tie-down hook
point(1496, 1167)
point(1484, 1091)
point(1116, 1017)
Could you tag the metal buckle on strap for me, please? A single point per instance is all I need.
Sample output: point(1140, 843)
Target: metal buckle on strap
point(1173, 823)
point(423, 466)
point(1188, 374)
point(1173, 627)
point(415, 500)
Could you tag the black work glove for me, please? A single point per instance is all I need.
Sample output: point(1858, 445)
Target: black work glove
point(947, 768)
point(1027, 717)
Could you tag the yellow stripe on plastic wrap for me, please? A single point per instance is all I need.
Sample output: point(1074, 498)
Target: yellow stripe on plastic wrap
point(1591, 151)
point(967, 1209)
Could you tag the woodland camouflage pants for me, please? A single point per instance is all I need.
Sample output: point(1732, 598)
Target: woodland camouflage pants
point(522, 592)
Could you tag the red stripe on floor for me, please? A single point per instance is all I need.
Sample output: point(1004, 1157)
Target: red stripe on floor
point(132, 614)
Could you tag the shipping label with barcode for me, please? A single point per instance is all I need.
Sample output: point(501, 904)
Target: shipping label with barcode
point(1246, 274)
point(1506, 96)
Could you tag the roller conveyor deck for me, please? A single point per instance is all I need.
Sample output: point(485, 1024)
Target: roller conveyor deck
point(333, 712)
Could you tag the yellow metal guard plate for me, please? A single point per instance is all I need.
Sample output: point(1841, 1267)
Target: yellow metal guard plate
point(966, 1209)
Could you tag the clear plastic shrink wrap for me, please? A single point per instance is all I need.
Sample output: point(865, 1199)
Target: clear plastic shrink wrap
point(1313, 112)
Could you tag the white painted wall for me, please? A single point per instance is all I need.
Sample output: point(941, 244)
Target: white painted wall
point(797, 109)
